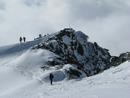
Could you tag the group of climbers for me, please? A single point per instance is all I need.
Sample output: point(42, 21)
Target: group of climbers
point(22, 39)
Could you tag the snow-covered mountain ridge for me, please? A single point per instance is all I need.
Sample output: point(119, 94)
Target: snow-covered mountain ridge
point(25, 68)
point(68, 47)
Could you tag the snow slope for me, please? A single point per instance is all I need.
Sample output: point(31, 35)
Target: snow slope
point(22, 77)
point(20, 67)
point(11, 49)
point(113, 83)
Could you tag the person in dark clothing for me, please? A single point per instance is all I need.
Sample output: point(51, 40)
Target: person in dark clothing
point(24, 39)
point(40, 35)
point(20, 39)
point(51, 78)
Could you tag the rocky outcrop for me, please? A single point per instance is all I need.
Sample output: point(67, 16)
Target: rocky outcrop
point(73, 47)
point(117, 60)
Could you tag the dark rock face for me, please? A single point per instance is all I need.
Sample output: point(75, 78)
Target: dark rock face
point(123, 57)
point(73, 73)
point(74, 48)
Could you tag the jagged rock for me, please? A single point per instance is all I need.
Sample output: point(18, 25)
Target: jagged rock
point(123, 57)
point(74, 48)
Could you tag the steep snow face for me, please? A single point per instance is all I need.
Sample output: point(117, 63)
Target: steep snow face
point(29, 62)
point(19, 68)
point(73, 47)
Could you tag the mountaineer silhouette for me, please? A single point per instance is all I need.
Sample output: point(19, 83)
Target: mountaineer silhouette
point(20, 39)
point(51, 78)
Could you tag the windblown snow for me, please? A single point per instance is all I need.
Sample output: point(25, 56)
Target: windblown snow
point(21, 76)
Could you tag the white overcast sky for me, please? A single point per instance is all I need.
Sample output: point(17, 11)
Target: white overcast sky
point(105, 21)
